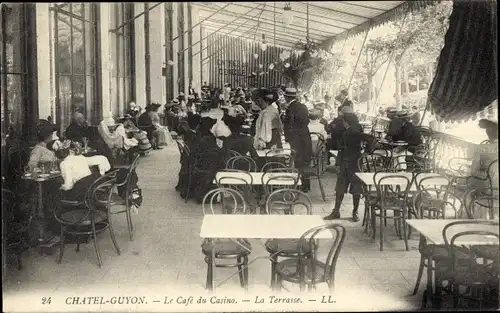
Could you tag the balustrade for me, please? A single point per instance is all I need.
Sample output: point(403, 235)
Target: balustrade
point(449, 147)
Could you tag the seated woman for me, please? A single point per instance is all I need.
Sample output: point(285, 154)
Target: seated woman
point(41, 153)
point(164, 135)
point(237, 141)
point(145, 123)
point(76, 171)
point(77, 129)
point(484, 156)
point(143, 146)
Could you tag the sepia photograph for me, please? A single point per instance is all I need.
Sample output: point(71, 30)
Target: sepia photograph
point(302, 156)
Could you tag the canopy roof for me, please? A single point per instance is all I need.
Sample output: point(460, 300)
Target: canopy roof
point(328, 20)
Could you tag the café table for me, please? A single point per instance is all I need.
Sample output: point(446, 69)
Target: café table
point(234, 226)
point(235, 178)
point(285, 151)
point(39, 217)
point(432, 230)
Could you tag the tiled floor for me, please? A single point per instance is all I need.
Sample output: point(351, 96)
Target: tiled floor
point(166, 256)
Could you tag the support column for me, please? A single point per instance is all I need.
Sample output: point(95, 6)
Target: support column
point(106, 61)
point(186, 56)
point(175, 48)
point(196, 56)
point(44, 55)
point(205, 68)
point(156, 51)
point(140, 68)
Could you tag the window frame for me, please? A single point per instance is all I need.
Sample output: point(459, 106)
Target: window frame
point(95, 113)
point(28, 72)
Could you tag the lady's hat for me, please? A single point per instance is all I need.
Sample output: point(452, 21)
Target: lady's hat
point(320, 105)
point(45, 131)
point(175, 101)
point(290, 92)
point(124, 117)
point(315, 113)
point(402, 114)
point(190, 97)
point(486, 123)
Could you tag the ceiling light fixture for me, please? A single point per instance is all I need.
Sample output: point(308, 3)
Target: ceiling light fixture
point(287, 15)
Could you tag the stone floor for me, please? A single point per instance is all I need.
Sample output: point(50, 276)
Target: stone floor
point(165, 259)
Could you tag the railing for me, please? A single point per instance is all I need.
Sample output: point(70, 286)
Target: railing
point(449, 147)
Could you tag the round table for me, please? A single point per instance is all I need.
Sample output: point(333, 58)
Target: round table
point(39, 216)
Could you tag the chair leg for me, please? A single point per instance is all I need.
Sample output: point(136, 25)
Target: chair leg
point(77, 249)
point(381, 234)
point(245, 271)
point(61, 246)
point(240, 272)
point(209, 273)
point(374, 224)
point(129, 222)
point(321, 188)
point(113, 238)
point(419, 275)
point(274, 261)
point(405, 237)
point(94, 237)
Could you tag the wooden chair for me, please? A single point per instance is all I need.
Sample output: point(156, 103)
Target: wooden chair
point(318, 167)
point(392, 198)
point(478, 280)
point(88, 218)
point(243, 184)
point(242, 162)
point(285, 201)
point(225, 249)
point(312, 267)
point(272, 165)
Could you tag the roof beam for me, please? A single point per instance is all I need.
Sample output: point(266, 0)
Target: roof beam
point(299, 17)
point(269, 31)
point(290, 43)
point(320, 32)
point(336, 11)
point(362, 6)
point(135, 17)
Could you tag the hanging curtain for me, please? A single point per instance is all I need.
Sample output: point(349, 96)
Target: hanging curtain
point(466, 76)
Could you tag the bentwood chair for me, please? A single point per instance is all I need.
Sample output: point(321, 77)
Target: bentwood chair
point(280, 155)
point(392, 197)
point(480, 282)
point(285, 201)
point(127, 194)
point(272, 165)
point(242, 182)
point(313, 265)
point(433, 204)
point(318, 167)
point(90, 218)
point(236, 250)
point(242, 162)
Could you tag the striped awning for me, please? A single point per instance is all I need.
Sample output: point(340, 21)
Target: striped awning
point(466, 76)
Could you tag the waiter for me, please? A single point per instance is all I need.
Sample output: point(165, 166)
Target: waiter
point(351, 136)
point(297, 133)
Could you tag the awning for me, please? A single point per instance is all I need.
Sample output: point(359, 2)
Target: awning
point(466, 76)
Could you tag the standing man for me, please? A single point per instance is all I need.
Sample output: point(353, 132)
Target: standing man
point(297, 133)
point(343, 99)
point(350, 133)
point(268, 126)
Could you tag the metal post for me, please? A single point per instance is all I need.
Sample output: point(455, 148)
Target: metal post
point(240, 37)
point(146, 53)
point(146, 11)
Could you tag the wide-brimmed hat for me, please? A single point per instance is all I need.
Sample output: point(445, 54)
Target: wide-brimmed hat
point(124, 117)
point(320, 105)
point(290, 92)
point(175, 100)
point(402, 114)
point(488, 123)
point(315, 113)
point(45, 131)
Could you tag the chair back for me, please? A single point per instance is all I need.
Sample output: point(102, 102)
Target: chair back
point(127, 181)
point(480, 205)
point(281, 155)
point(18, 158)
point(458, 234)
point(230, 154)
point(239, 180)
point(223, 201)
point(280, 180)
point(317, 141)
point(288, 201)
point(183, 150)
point(435, 204)
point(334, 247)
point(319, 158)
point(392, 189)
point(242, 162)
point(272, 165)
point(435, 182)
point(372, 163)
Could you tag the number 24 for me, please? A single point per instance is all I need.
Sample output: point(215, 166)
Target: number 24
point(46, 300)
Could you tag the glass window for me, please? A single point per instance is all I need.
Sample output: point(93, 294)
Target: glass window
point(75, 56)
point(14, 93)
point(123, 83)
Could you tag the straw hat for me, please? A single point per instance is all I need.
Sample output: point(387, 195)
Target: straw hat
point(175, 101)
point(402, 114)
point(290, 92)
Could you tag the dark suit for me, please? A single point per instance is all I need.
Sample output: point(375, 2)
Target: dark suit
point(297, 133)
point(349, 151)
